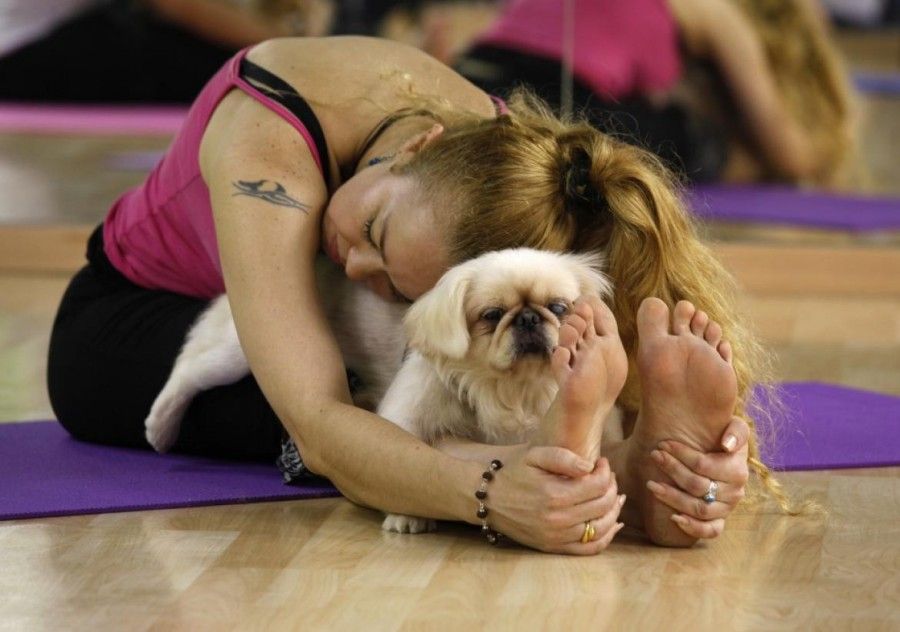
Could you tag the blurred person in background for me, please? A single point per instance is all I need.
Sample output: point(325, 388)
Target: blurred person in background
point(733, 90)
point(144, 51)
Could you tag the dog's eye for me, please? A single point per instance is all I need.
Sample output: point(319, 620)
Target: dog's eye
point(492, 315)
point(559, 309)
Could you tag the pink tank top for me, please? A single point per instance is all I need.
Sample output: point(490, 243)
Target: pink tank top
point(621, 47)
point(161, 235)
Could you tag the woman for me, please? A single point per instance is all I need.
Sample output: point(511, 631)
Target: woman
point(738, 90)
point(260, 180)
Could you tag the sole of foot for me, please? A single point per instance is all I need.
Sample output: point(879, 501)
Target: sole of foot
point(590, 366)
point(688, 394)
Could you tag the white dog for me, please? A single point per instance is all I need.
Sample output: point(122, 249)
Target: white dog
point(478, 363)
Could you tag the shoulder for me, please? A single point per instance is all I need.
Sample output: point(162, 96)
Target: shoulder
point(246, 140)
point(704, 23)
point(314, 64)
point(354, 71)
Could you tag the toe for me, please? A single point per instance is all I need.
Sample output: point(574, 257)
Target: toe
point(604, 320)
point(681, 317)
point(724, 350)
point(699, 323)
point(579, 318)
point(713, 334)
point(568, 337)
point(652, 319)
point(559, 363)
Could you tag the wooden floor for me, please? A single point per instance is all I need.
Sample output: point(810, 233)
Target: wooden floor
point(827, 303)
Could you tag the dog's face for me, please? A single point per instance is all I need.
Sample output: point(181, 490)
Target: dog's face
point(503, 309)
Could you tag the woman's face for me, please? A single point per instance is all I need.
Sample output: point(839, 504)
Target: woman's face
point(378, 229)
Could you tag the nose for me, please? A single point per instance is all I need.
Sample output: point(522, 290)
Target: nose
point(361, 264)
point(527, 319)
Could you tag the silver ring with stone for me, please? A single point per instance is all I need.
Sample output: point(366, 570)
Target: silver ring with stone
point(710, 496)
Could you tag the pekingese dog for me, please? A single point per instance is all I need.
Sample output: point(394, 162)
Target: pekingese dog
point(477, 349)
point(479, 342)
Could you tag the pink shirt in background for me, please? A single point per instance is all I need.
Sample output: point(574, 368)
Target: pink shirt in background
point(621, 47)
point(161, 234)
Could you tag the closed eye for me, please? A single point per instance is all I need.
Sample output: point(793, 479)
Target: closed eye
point(558, 308)
point(367, 231)
point(492, 315)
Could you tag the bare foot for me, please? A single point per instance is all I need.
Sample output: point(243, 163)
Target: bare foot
point(689, 391)
point(590, 366)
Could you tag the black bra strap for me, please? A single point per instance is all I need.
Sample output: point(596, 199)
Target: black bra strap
point(280, 91)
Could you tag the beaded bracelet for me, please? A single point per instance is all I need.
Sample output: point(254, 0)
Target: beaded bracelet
point(493, 537)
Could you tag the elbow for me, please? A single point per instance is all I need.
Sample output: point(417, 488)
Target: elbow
point(317, 462)
point(798, 160)
point(797, 168)
point(302, 430)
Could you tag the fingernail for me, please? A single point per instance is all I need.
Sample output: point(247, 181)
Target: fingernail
point(585, 466)
point(619, 526)
point(679, 519)
point(655, 487)
point(657, 456)
point(663, 445)
point(730, 442)
point(621, 500)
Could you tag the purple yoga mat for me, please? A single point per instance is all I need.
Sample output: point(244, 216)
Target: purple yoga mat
point(43, 472)
point(834, 427)
point(883, 83)
point(796, 207)
point(38, 118)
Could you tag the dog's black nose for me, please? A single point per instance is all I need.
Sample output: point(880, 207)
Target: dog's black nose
point(527, 319)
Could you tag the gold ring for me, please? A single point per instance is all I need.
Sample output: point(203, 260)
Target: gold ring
point(589, 532)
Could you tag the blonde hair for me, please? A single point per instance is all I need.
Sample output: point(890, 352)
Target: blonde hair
point(507, 182)
point(812, 81)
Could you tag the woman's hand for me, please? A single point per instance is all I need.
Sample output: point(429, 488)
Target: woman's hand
point(692, 471)
point(543, 499)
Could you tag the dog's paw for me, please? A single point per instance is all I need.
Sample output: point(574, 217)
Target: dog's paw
point(163, 424)
point(161, 436)
point(407, 524)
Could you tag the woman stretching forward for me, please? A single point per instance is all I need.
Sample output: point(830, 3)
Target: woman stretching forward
point(398, 168)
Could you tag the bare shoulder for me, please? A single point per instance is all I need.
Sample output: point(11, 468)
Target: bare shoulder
point(244, 132)
point(256, 167)
point(338, 69)
point(292, 55)
point(701, 22)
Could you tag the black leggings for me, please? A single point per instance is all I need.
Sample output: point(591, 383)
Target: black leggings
point(112, 348)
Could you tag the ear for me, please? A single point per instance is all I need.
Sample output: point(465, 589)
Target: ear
point(436, 322)
point(417, 143)
point(591, 278)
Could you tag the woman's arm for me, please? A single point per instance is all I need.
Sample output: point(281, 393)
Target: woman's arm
point(717, 30)
point(267, 252)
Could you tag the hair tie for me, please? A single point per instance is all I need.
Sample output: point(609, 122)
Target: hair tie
point(577, 184)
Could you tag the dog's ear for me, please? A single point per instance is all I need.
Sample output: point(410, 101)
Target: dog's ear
point(592, 280)
point(436, 322)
